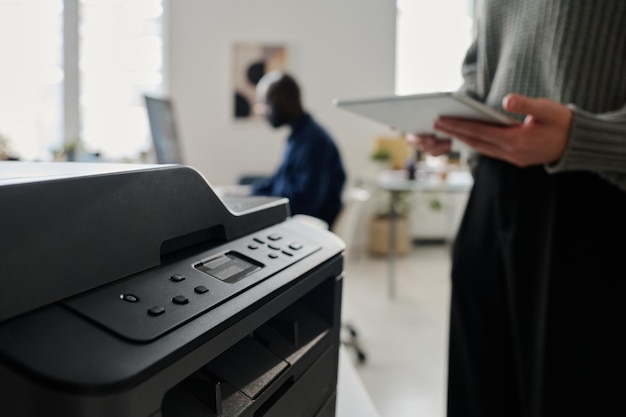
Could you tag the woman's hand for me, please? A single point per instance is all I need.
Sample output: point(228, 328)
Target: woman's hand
point(540, 139)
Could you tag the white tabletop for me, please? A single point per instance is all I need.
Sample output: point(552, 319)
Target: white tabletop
point(352, 397)
point(396, 180)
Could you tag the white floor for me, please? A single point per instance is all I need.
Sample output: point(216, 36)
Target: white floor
point(405, 338)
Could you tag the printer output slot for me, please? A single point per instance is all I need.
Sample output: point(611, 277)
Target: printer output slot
point(285, 362)
point(315, 385)
point(280, 392)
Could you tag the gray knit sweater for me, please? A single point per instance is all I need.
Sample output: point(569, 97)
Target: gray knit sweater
point(570, 51)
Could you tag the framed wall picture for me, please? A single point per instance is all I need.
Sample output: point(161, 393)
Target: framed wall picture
point(250, 62)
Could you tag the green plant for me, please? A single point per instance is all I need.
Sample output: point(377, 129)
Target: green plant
point(436, 204)
point(68, 150)
point(5, 147)
point(381, 155)
point(401, 201)
point(72, 145)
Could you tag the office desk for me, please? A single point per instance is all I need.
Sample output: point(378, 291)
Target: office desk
point(396, 183)
point(352, 397)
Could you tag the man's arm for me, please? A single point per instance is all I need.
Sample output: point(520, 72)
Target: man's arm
point(308, 181)
point(263, 186)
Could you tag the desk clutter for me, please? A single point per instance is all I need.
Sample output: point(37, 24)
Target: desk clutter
point(427, 195)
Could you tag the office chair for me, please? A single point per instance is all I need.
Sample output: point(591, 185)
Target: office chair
point(347, 224)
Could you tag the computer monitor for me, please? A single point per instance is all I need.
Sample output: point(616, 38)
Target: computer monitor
point(163, 130)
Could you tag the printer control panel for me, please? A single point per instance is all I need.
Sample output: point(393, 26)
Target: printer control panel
point(148, 305)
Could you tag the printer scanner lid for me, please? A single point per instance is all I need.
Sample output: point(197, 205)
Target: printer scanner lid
point(70, 227)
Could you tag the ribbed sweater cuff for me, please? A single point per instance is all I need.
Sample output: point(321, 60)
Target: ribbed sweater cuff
point(595, 144)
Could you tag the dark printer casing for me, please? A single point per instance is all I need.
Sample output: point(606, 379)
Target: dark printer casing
point(136, 291)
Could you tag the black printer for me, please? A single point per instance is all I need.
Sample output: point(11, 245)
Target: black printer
point(135, 291)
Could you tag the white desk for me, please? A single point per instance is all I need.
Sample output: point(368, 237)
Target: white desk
point(396, 183)
point(352, 397)
point(396, 180)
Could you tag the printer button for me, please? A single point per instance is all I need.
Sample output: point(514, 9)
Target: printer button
point(177, 278)
point(273, 255)
point(257, 240)
point(274, 237)
point(274, 247)
point(295, 246)
point(253, 246)
point(180, 299)
point(156, 311)
point(201, 289)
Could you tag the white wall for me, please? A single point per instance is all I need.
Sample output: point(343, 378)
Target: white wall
point(417, 21)
point(337, 48)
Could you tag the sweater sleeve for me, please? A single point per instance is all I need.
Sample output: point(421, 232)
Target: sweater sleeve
point(597, 143)
point(469, 71)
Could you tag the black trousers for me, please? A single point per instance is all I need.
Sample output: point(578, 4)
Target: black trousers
point(538, 314)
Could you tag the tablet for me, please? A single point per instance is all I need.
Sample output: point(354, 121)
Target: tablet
point(418, 113)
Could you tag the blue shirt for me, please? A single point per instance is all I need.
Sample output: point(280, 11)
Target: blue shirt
point(311, 174)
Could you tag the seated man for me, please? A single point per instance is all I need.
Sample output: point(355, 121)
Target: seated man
point(311, 174)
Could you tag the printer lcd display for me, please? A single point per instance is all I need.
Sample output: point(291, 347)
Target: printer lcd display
point(229, 267)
